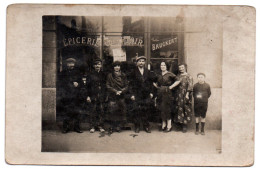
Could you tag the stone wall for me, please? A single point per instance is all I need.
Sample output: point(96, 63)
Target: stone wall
point(203, 52)
point(49, 69)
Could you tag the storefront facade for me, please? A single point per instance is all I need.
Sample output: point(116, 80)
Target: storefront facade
point(114, 38)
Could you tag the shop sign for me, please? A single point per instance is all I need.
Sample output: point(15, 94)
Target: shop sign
point(163, 43)
point(123, 41)
point(108, 41)
point(82, 40)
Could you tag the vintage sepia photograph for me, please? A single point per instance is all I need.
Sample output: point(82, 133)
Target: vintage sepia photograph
point(135, 85)
point(131, 84)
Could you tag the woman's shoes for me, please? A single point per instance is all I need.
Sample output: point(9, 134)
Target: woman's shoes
point(167, 130)
point(184, 128)
point(163, 129)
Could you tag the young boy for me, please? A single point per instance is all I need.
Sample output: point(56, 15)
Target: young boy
point(201, 93)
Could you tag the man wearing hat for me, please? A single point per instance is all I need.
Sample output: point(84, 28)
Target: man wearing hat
point(96, 83)
point(141, 91)
point(70, 83)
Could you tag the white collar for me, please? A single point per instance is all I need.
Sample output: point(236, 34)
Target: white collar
point(141, 70)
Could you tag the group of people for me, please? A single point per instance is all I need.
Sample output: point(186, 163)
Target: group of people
point(172, 94)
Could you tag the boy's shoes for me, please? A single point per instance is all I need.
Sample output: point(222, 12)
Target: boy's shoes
point(92, 130)
point(137, 129)
point(203, 133)
point(196, 132)
point(147, 129)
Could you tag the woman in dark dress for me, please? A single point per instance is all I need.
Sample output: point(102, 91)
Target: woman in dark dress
point(117, 86)
point(166, 82)
point(184, 98)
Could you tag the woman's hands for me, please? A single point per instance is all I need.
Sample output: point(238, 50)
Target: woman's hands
point(155, 85)
point(187, 96)
point(133, 98)
point(75, 84)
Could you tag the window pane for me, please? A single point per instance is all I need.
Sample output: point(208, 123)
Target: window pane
point(81, 23)
point(126, 24)
point(163, 24)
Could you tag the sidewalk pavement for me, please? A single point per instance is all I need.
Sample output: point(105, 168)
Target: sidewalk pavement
point(128, 141)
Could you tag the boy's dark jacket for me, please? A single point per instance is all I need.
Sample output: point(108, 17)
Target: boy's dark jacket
point(201, 92)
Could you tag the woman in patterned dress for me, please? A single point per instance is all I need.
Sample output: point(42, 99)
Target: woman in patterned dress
point(183, 98)
point(166, 82)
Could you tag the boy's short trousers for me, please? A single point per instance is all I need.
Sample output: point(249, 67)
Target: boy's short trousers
point(200, 109)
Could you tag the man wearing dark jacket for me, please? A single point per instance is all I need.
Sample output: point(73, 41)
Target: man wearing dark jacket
point(70, 93)
point(96, 84)
point(141, 91)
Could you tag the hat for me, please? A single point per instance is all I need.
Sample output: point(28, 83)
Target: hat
point(116, 63)
point(140, 57)
point(97, 60)
point(203, 74)
point(71, 60)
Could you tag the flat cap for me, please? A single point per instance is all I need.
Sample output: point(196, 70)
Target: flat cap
point(140, 57)
point(97, 60)
point(71, 60)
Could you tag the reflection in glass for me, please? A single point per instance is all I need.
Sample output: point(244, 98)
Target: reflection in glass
point(123, 39)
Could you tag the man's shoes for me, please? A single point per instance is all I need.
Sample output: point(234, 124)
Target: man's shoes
point(78, 130)
point(118, 129)
point(65, 130)
point(92, 130)
point(196, 132)
point(101, 130)
point(110, 130)
point(137, 129)
point(202, 133)
point(147, 129)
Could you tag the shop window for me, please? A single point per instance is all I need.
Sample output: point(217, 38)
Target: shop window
point(164, 47)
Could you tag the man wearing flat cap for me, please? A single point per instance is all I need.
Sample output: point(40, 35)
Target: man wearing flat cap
point(96, 84)
point(141, 91)
point(70, 100)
